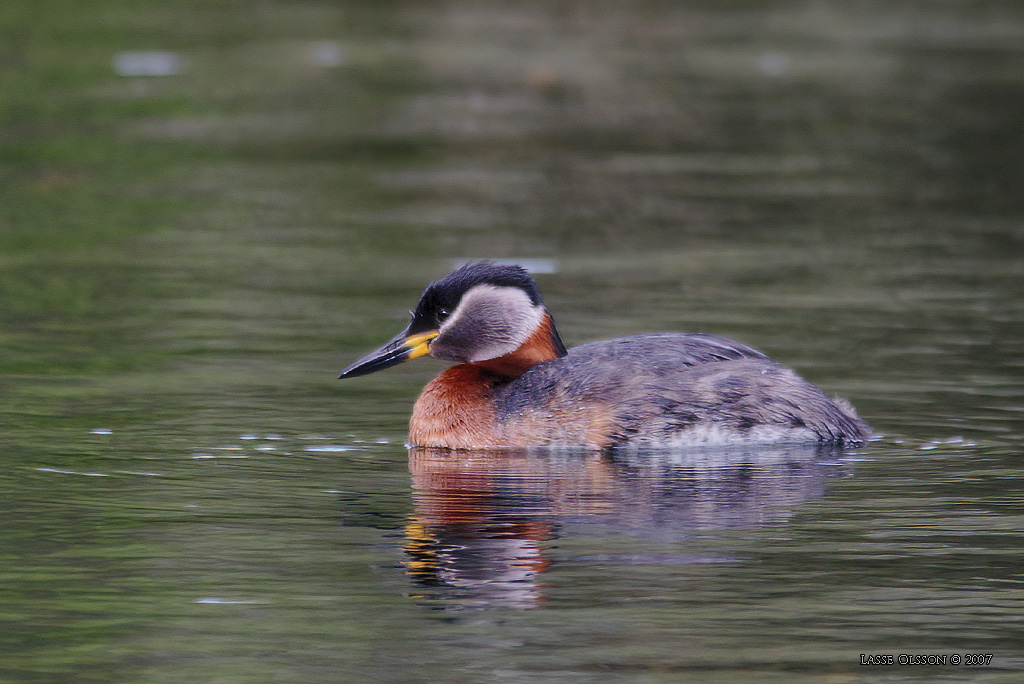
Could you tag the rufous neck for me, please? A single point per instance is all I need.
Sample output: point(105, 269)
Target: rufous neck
point(543, 345)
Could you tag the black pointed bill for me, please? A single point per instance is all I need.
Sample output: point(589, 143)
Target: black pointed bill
point(402, 347)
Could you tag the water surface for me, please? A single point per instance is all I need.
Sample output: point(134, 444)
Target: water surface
point(188, 259)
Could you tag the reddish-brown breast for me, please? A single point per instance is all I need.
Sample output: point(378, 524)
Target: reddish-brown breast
point(455, 410)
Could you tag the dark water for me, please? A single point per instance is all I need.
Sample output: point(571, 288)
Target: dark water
point(187, 260)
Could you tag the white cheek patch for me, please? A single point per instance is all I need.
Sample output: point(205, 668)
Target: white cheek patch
point(490, 321)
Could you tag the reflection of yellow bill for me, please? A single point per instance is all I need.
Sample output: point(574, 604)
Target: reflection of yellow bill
point(419, 344)
point(418, 543)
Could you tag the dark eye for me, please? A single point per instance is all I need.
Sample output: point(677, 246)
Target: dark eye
point(442, 314)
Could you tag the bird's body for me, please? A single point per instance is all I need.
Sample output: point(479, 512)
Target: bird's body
point(667, 389)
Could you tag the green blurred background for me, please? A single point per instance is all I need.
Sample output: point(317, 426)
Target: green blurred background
point(208, 208)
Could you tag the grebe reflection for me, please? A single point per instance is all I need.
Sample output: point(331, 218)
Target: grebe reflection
point(484, 522)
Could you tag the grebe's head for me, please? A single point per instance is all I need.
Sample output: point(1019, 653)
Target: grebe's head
point(481, 311)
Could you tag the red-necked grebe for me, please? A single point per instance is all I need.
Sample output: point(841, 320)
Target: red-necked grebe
point(516, 385)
